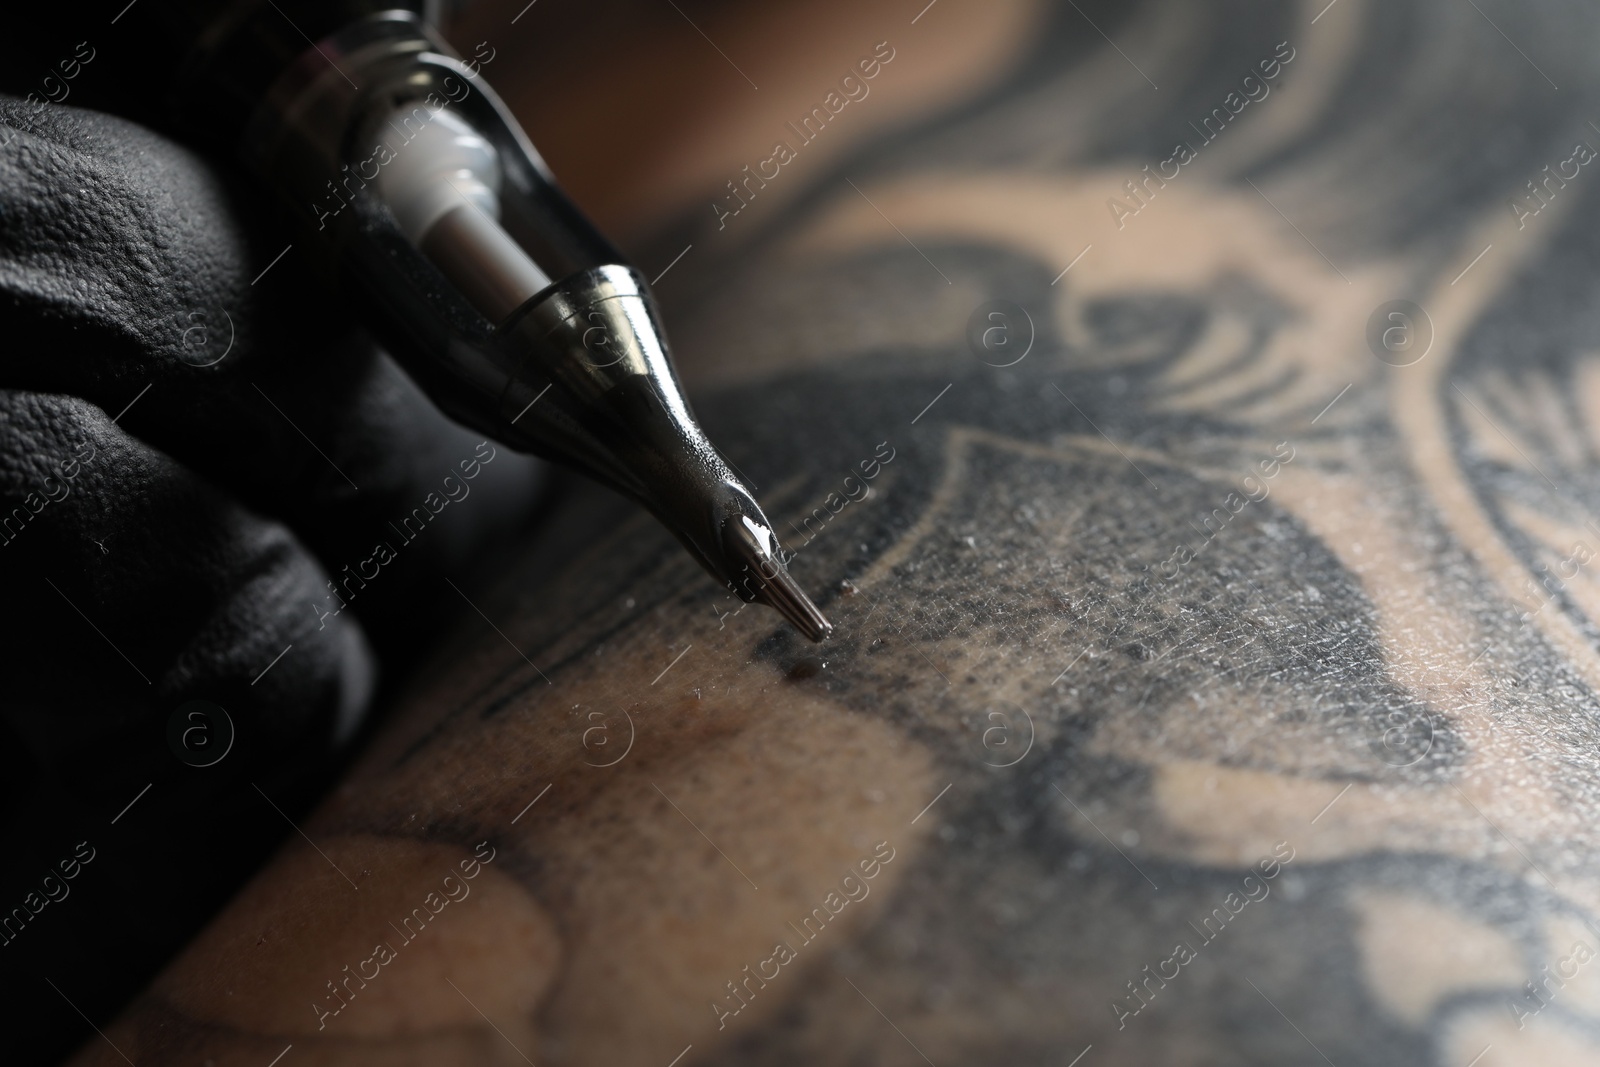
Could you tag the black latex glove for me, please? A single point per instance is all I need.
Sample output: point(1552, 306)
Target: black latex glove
point(193, 439)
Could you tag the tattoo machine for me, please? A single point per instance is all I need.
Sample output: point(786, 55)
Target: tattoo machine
point(425, 202)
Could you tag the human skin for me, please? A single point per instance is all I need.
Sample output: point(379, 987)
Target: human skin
point(1200, 611)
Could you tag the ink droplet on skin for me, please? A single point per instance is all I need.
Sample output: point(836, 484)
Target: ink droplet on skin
point(807, 667)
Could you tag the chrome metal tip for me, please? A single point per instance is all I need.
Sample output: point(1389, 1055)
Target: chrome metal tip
point(784, 594)
point(759, 574)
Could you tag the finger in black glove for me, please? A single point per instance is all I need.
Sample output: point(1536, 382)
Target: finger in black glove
point(212, 488)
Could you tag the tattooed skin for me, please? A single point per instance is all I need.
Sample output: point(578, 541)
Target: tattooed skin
point(1216, 683)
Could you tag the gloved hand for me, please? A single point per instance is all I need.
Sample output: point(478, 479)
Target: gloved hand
point(194, 440)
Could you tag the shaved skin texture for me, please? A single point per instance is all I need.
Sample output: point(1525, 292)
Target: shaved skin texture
point(1204, 689)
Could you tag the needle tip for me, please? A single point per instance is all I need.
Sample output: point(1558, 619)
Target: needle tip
point(753, 556)
point(782, 593)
